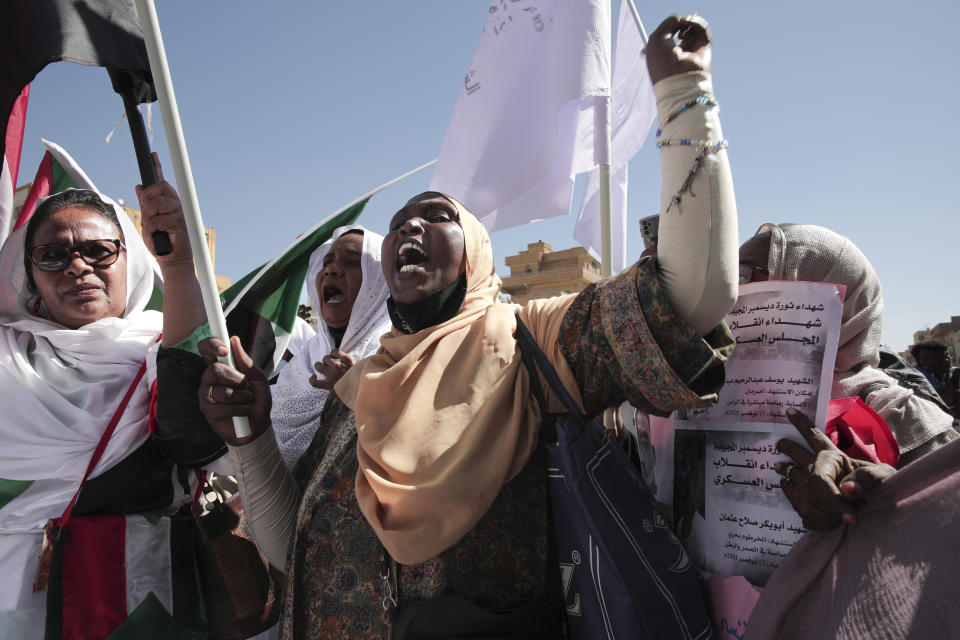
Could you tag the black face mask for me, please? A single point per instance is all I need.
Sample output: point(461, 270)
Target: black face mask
point(337, 334)
point(436, 308)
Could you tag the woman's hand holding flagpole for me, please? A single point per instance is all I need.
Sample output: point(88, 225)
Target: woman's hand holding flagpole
point(185, 185)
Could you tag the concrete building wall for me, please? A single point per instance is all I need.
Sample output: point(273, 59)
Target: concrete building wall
point(541, 272)
point(946, 332)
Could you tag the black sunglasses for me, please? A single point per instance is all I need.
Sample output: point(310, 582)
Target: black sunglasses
point(56, 256)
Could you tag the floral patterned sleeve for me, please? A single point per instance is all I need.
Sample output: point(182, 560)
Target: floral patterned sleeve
point(623, 341)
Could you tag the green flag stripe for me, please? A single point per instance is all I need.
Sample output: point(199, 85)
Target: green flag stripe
point(276, 293)
point(151, 621)
point(60, 179)
point(10, 489)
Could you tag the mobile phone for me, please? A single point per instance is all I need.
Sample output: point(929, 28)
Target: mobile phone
point(649, 229)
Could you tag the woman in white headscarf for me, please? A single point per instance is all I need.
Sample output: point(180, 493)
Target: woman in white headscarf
point(802, 252)
point(75, 336)
point(341, 339)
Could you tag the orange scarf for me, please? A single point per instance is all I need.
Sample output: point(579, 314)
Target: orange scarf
point(444, 416)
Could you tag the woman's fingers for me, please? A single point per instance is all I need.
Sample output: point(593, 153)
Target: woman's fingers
point(212, 349)
point(823, 486)
point(794, 485)
point(226, 394)
point(156, 166)
point(812, 481)
point(345, 358)
point(222, 374)
point(864, 479)
point(667, 28)
point(814, 437)
point(244, 362)
point(678, 45)
point(330, 369)
point(796, 452)
point(693, 32)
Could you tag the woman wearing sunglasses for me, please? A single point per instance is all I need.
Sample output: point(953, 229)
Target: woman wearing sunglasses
point(75, 339)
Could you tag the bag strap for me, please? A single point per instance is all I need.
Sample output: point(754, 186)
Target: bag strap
point(104, 439)
point(533, 357)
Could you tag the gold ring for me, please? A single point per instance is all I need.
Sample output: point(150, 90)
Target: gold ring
point(786, 472)
point(210, 397)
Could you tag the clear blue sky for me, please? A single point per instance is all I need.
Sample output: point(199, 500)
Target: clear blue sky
point(838, 113)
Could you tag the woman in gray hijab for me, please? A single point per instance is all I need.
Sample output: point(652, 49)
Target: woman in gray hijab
point(802, 252)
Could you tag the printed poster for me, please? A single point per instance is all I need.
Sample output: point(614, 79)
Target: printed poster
point(728, 507)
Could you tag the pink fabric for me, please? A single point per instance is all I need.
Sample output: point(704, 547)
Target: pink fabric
point(896, 574)
point(860, 432)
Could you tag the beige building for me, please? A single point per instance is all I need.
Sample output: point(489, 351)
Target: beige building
point(223, 282)
point(541, 272)
point(946, 332)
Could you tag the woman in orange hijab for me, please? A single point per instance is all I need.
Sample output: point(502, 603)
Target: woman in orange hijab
point(428, 482)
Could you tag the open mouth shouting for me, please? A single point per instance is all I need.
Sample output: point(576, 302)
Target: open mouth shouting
point(332, 294)
point(411, 257)
point(424, 250)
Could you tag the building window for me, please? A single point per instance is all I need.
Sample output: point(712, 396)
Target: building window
point(527, 269)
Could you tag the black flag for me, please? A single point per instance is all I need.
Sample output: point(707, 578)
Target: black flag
point(100, 33)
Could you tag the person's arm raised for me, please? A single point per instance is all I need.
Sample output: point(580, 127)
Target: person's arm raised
point(697, 246)
point(161, 210)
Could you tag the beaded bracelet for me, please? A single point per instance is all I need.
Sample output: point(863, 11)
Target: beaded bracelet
point(703, 101)
point(705, 147)
point(687, 142)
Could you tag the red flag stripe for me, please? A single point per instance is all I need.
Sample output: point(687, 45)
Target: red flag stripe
point(94, 577)
point(14, 139)
point(42, 185)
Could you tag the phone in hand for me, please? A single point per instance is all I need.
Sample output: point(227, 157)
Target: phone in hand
point(650, 229)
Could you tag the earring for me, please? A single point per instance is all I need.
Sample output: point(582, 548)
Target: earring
point(36, 305)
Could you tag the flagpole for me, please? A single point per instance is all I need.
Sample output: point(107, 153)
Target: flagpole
point(636, 17)
point(184, 176)
point(606, 223)
point(603, 161)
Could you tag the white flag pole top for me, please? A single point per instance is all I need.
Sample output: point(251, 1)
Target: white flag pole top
point(632, 110)
point(636, 17)
point(188, 193)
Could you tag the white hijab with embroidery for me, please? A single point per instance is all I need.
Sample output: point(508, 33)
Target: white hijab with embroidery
point(62, 386)
point(297, 403)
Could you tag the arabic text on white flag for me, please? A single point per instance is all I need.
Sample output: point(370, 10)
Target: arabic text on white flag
point(525, 120)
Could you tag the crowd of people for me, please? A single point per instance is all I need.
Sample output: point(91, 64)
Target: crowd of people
point(395, 472)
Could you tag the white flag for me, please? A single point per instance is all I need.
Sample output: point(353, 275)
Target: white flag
point(524, 123)
point(7, 189)
point(634, 109)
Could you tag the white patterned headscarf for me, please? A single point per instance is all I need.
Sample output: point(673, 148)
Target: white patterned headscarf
point(62, 386)
point(803, 252)
point(297, 403)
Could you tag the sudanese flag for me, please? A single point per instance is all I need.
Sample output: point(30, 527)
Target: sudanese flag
point(99, 33)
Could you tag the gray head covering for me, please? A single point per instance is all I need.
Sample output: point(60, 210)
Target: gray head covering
point(803, 252)
point(807, 253)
